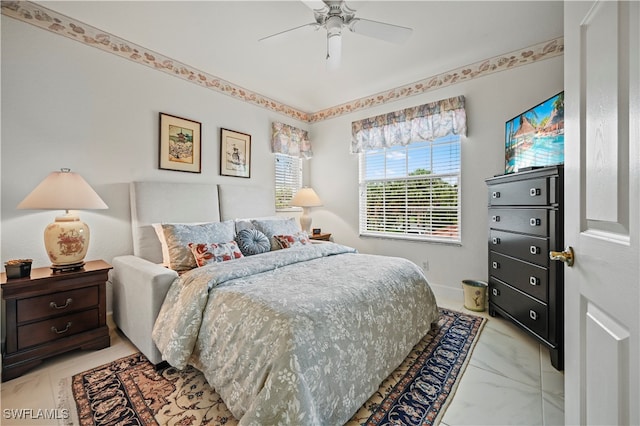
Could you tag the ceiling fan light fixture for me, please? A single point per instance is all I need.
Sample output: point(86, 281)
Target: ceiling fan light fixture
point(334, 51)
point(334, 42)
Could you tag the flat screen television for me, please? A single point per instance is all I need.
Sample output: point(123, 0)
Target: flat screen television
point(535, 138)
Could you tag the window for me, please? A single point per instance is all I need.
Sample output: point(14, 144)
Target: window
point(288, 179)
point(412, 191)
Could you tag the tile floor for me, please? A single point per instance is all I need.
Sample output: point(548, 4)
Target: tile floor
point(509, 380)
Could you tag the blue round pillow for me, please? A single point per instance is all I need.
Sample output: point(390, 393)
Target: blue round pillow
point(252, 241)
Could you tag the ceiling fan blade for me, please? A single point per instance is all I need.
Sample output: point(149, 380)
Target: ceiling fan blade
point(313, 25)
point(380, 30)
point(316, 5)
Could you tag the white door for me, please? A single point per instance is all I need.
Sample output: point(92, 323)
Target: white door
point(602, 212)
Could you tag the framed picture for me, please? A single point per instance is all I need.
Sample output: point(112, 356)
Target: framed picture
point(235, 153)
point(180, 144)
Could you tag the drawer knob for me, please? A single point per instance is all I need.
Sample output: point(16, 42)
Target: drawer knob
point(54, 305)
point(495, 265)
point(495, 292)
point(534, 192)
point(55, 330)
point(534, 250)
point(533, 315)
point(495, 194)
point(495, 218)
point(495, 240)
point(534, 221)
point(534, 281)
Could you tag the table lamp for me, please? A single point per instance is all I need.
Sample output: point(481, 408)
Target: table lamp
point(67, 239)
point(306, 197)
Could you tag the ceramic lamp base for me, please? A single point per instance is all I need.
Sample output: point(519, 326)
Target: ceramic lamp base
point(66, 241)
point(305, 220)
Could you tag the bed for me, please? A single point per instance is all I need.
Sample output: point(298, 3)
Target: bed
point(301, 335)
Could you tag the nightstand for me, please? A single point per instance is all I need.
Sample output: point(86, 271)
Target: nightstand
point(50, 313)
point(320, 237)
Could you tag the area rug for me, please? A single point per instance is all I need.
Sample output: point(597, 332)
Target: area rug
point(130, 391)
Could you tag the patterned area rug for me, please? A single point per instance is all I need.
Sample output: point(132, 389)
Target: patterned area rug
point(130, 391)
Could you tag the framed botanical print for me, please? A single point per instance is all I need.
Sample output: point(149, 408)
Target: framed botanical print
point(235, 153)
point(180, 144)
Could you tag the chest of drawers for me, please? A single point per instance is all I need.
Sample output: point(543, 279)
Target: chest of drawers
point(525, 223)
point(50, 313)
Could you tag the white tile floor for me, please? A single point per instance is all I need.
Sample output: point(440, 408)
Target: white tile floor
point(509, 380)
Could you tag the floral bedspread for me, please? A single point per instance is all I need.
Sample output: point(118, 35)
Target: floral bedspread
point(301, 336)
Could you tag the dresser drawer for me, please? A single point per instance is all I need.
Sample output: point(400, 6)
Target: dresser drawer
point(526, 277)
point(529, 312)
point(57, 328)
point(531, 192)
point(60, 303)
point(528, 221)
point(525, 247)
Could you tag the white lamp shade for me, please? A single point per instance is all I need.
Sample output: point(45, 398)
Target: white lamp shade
point(63, 190)
point(306, 197)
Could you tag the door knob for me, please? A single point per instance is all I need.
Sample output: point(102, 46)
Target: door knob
point(567, 256)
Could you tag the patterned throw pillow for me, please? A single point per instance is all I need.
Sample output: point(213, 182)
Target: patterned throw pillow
point(287, 241)
point(205, 254)
point(179, 235)
point(252, 241)
point(274, 227)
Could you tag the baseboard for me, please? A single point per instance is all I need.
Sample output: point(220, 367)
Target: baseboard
point(447, 292)
point(110, 321)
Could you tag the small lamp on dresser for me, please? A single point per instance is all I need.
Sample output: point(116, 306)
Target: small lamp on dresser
point(306, 197)
point(67, 239)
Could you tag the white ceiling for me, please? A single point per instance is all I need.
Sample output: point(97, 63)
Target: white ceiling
point(221, 38)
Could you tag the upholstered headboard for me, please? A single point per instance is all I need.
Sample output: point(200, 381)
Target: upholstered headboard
point(241, 201)
point(166, 202)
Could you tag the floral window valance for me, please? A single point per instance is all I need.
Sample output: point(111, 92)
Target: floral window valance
point(421, 123)
point(290, 140)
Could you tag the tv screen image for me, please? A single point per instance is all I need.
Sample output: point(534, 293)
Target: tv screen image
point(535, 138)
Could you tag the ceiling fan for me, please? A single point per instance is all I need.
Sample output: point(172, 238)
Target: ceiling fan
point(334, 15)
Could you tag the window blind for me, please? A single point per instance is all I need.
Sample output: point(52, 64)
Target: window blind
point(288, 179)
point(412, 191)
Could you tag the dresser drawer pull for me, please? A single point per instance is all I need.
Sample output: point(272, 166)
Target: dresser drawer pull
point(533, 315)
point(55, 330)
point(534, 192)
point(534, 221)
point(495, 265)
point(495, 240)
point(495, 218)
point(54, 305)
point(495, 194)
point(495, 292)
point(534, 281)
point(534, 250)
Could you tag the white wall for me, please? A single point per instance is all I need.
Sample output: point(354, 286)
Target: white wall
point(65, 104)
point(490, 102)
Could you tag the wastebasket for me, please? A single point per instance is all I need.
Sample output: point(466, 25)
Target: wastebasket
point(475, 295)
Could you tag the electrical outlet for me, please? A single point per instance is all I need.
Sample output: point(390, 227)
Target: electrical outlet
point(425, 265)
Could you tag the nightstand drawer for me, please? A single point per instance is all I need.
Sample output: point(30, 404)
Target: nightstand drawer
point(46, 306)
point(57, 328)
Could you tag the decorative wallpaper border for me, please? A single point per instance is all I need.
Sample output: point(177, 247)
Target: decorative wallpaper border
point(514, 59)
point(50, 20)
